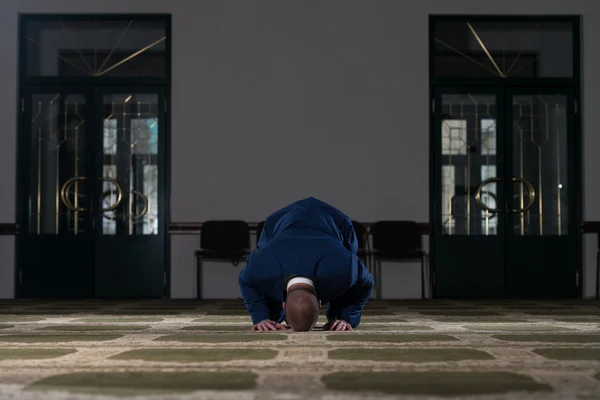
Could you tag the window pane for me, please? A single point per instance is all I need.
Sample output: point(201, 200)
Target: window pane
point(532, 49)
point(95, 48)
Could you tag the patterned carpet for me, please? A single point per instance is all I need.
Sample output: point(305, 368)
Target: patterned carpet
point(178, 349)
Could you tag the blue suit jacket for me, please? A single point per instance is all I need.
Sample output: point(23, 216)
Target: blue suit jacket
point(315, 240)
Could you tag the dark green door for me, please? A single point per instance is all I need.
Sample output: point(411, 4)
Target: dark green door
point(541, 225)
point(95, 185)
point(129, 241)
point(504, 173)
point(56, 244)
point(469, 241)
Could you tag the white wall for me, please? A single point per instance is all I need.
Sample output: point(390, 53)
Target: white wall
point(343, 83)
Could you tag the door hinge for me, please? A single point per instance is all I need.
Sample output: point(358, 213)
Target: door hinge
point(576, 108)
point(20, 276)
point(22, 104)
point(433, 106)
point(577, 278)
point(166, 103)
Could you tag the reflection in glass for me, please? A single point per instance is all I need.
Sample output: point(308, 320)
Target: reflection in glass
point(58, 202)
point(131, 157)
point(468, 140)
point(539, 157)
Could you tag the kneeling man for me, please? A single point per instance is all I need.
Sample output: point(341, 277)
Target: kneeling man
point(306, 255)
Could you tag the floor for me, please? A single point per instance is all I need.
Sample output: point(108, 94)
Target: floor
point(178, 349)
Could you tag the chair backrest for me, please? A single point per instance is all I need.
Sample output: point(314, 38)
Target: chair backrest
point(361, 232)
point(259, 229)
point(396, 236)
point(228, 235)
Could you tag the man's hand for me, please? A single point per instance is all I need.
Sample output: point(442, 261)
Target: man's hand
point(338, 325)
point(268, 325)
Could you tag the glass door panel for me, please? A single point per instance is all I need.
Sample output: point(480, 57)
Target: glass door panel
point(469, 164)
point(539, 162)
point(57, 169)
point(129, 194)
point(542, 234)
point(130, 197)
point(469, 217)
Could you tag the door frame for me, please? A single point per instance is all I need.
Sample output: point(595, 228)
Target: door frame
point(27, 83)
point(573, 83)
point(504, 94)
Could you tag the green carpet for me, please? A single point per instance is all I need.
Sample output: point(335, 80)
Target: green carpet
point(223, 328)
point(433, 383)
point(119, 319)
point(479, 320)
point(409, 355)
point(464, 350)
point(93, 328)
point(222, 338)
point(40, 338)
point(389, 338)
point(196, 355)
point(569, 353)
point(401, 328)
point(562, 313)
point(460, 313)
point(33, 354)
point(550, 338)
point(141, 312)
point(145, 383)
point(517, 328)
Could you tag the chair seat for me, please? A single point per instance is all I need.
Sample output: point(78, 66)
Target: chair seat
point(235, 255)
point(407, 255)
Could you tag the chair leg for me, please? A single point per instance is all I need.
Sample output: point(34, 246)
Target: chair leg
point(199, 278)
point(598, 275)
point(422, 277)
point(379, 280)
point(429, 276)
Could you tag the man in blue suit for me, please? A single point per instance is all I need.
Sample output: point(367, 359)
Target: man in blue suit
point(307, 255)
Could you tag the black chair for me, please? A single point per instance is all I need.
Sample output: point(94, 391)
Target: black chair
point(222, 241)
point(398, 241)
point(259, 229)
point(363, 241)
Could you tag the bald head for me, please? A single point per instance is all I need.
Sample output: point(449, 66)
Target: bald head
point(302, 309)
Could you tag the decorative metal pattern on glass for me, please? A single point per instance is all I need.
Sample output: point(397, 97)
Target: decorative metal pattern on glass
point(468, 139)
point(539, 137)
point(58, 153)
point(131, 156)
point(95, 48)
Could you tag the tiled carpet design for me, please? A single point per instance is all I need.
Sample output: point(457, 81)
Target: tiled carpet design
point(177, 349)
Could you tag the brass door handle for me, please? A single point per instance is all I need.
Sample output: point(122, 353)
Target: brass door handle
point(531, 196)
point(119, 194)
point(64, 190)
point(478, 200)
point(522, 181)
point(145, 209)
point(66, 187)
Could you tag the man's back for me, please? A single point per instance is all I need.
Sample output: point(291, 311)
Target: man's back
point(314, 240)
point(309, 218)
point(308, 238)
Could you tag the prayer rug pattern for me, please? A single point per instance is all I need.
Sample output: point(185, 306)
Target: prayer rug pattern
point(174, 349)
